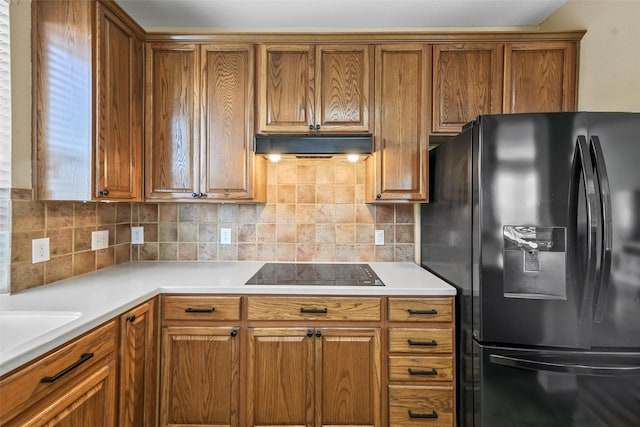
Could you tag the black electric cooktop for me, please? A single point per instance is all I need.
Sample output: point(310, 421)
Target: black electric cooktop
point(315, 274)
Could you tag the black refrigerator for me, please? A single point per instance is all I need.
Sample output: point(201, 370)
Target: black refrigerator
point(535, 218)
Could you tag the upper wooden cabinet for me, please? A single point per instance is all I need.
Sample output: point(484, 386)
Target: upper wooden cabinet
point(324, 88)
point(199, 124)
point(467, 81)
point(539, 77)
point(397, 172)
point(87, 142)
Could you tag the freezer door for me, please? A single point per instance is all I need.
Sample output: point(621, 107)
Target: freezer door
point(615, 146)
point(533, 270)
point(520, 388)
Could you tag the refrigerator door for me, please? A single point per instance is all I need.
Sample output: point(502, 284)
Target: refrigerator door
point(525, 388)
point(533, 276)
point(615, 147)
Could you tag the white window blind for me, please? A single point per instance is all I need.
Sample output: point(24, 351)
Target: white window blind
point(5, 148)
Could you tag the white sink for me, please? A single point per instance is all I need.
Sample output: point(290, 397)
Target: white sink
point(19, 327)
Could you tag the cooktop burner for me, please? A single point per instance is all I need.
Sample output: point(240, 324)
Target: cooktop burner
point(316, 274)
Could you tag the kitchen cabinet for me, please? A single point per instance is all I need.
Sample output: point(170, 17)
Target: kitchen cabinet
point(321, 374)
point(540, 77)
point(87, 97)
point(421, 382)
point(323, 88)
point(199, 124)
point(200, 365)
point(75, 385)
point(138, 366)
point(467, 82)
point(398, 169)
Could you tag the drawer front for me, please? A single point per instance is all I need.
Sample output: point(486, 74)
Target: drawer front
point(421, 406)
point(420, 340)
point(421, 309)
point(200, 308)
point(314, 308)
point(56, 370)
point(420, 369)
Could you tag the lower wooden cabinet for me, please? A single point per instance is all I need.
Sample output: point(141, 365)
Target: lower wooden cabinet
point(74, 385)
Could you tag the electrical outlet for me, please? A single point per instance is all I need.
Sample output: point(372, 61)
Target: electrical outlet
point(225, 236)
point(99, 240)
point(40, 250)
point(379, 237)
point(137, 235)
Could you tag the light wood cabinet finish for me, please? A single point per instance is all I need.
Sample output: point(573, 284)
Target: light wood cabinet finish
point(398, 170)
point(420, 369)
point(467, 82)
point(430, 309)
point(305, 88)
point(71, 386)
point(86, 142)
point(408, 403)
point(200, 308)
point(539, 77)
point(420, 340)
point(313, 308)
point(138, 366)
point(200, 376)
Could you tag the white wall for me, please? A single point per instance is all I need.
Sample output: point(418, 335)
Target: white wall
point(609, 79)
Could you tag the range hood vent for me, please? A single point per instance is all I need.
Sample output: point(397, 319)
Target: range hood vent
point(313, 145)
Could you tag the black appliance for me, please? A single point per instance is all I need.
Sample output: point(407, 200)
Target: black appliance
point(535, 218)
point(296, 274)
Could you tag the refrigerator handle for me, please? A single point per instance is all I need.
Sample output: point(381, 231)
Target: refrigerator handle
point(586, 172)
point(565, 368)
point(602, 281)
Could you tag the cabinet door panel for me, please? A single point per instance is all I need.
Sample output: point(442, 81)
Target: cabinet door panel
point(280, 377)
point(466, 83)
point(348, 377)
point(172, 122)
point(343, 88)
point(539, 77)
point(200, 379)
point(227, 111)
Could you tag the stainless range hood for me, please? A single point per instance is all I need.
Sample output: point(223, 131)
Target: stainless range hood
point(313, 145)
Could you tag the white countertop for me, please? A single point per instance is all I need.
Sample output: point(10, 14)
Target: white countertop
point(94, 298)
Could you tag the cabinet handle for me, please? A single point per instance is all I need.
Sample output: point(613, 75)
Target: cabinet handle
point(201, 195)
point(314, 310)
point(318, 333)
point(378, 196)
point(194, 195)
point(309, 333)
point(199, 310)
point(131, 318)
point(317, 126)
point(83, 358)
point(234, 332)
point(432, 415)
point(431, 343)
point(415, 372)
point(310, 127)
point(432, 311)
point(104, 193)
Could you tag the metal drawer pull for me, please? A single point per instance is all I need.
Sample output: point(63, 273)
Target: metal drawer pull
point(199, 310)
point(431, 343)
point(431, 372)
point(83, 358)
point(434, 414)
point(432, 311)
point(234, 332)
point(314, 310)
point(131, 318)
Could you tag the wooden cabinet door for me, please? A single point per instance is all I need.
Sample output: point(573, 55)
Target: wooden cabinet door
point(539, 77)
point(200, 376)
point(172, 121)
point(138, 366)
point(466, 83)
point(280, 377)
point(118, 153)
point(286, 88)
point(347, 377)
point(227, 162)
point(398, 170)
point(343, 88)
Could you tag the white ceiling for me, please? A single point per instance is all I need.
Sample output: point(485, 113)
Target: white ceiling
point(305, 15)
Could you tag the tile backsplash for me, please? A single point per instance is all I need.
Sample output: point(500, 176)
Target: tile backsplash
point(315, 211)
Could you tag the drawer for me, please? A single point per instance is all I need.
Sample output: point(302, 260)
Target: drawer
point(420, 369)
point(313, 308)
point(56, 370)
point(421, 309)
point(420, 340)
point(197, 307)
point(421, 406)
